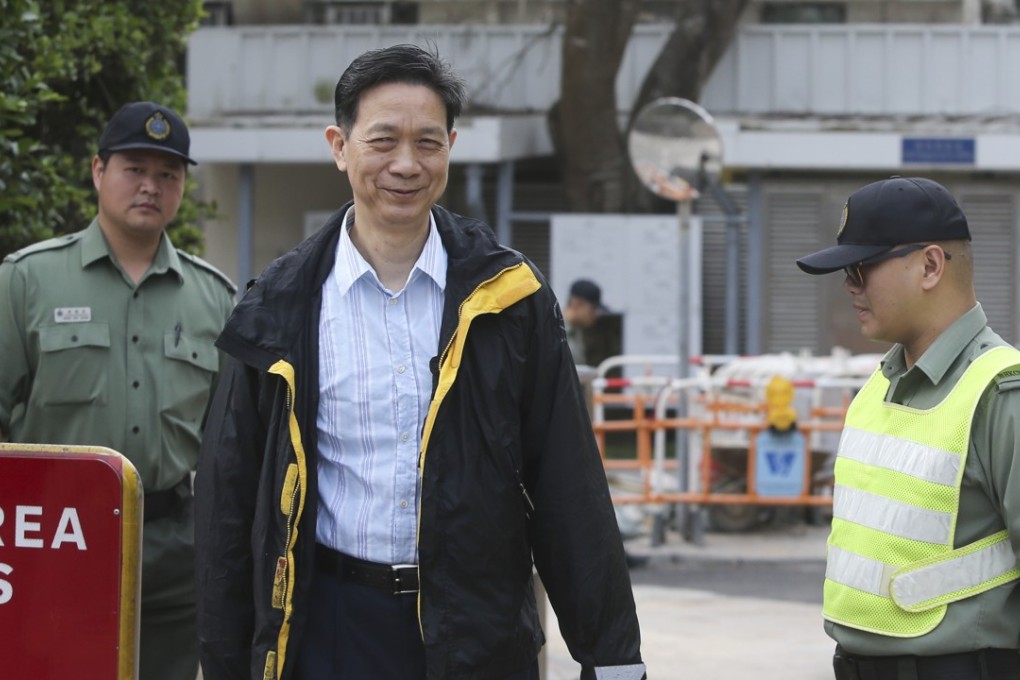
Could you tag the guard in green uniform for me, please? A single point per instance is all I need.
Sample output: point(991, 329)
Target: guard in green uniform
point(922, 568)
point(107, 339)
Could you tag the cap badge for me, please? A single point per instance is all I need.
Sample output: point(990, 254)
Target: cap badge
point(157, 127)
point(842, 220)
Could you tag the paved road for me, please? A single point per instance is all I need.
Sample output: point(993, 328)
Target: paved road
point(789, 581)
point(747, 609)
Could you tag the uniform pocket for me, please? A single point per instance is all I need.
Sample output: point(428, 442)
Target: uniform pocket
point(73, 364)
point(189, 367)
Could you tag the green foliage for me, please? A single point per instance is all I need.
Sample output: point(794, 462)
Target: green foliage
point(65, 67)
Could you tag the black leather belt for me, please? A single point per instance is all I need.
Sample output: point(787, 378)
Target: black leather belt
point(399, 579)
point(160, 504)
point(981, 664)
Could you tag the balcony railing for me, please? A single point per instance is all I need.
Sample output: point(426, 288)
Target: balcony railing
point(870, 70)
point(291, 70)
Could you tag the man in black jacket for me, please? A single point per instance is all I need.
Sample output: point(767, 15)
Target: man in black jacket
point(400, 438)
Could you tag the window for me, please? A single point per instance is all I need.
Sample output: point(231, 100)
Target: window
point(803, 13)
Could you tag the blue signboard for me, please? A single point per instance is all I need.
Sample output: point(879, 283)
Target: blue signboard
point(938, 150)
point(779, 463)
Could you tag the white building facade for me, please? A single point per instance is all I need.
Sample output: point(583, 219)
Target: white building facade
point(806, 113)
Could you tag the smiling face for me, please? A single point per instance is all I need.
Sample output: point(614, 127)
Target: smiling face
point(139, 191)
point(396, 156)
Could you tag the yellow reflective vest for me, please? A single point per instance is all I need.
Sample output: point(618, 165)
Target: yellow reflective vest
point(891, 567)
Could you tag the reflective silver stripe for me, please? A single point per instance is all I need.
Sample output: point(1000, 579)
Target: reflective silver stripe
point(858, 571)
point(632, 672)
point(929, 463)
point(949, 576)
point(892, 517)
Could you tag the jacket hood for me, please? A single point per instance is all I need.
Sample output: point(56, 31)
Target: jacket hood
point(269, 319)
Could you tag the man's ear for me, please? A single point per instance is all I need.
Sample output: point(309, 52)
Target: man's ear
point(337, 145)
point(98, 167)
point(934, 266)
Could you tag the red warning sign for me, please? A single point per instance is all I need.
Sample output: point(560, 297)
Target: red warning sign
point(70, 535)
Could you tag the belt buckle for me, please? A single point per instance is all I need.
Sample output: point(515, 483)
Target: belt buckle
point(397, 589)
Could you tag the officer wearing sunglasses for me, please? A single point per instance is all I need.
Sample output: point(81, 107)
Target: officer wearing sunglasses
point(922, 572)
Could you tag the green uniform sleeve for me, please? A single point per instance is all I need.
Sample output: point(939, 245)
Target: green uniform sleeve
point(14, 370)
point(995, 441)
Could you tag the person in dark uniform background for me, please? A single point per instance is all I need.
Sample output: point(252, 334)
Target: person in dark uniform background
point(107, 340)
point(580, 313)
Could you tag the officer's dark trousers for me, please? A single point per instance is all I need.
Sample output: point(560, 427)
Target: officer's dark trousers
point(985, 664)
point(168, 636)
point(356, 631)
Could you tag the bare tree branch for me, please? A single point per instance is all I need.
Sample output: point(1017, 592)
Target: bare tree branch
point(584, 123)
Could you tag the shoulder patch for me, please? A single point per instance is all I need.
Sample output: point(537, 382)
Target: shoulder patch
point(202, 264)
point(42, 246)
point(1008, 379)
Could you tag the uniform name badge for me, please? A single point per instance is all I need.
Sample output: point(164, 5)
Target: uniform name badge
point(72, 314)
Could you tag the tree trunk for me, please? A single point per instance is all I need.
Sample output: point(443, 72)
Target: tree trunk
point(584, 123)
point(704, 30)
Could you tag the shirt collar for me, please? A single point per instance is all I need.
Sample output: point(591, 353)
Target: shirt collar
point(94, 247)
point(351, 265)
point(939, 357)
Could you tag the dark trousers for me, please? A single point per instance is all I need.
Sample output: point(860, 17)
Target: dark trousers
point(984, 664)
point(356, 631)
point(168, 638)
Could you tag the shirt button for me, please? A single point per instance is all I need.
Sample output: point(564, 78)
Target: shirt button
point(393, 301)
point(135, 384)
point(134, 338)
point(135, 295)
point(404, 437)
point(135, 429)
point(403, 504)
point(401, 368)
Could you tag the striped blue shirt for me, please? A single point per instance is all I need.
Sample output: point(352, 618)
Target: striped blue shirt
point(374, 390)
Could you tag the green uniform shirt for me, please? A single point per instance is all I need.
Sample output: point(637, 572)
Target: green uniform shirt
point(90, 358)
point(989, 496)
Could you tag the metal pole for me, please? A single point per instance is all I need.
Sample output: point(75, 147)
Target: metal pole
point(688, 516)
point(473, 180)
point(683, 211)
point(245, 226)
point(732, 264)
point(732, 283)
point(755, 206)
point(505, 203)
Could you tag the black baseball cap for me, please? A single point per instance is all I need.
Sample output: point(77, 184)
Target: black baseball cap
point(145, 125)
point(588, 291)
point(882, 215)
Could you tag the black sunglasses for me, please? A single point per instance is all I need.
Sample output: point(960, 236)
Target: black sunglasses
point(855, 272)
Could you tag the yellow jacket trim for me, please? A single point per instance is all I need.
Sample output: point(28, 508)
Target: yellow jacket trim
point(286, 371)
point(492, 296)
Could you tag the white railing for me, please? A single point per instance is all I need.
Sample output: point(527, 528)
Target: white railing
point(869, 70)
point(803, 70)
point(291, 70)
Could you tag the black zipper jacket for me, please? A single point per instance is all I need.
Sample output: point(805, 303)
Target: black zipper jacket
point(511, 477)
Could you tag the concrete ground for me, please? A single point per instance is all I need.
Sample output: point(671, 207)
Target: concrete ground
point(696, 634)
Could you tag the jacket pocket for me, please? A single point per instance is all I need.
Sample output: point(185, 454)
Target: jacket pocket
point(73, 363)
point(189, 366)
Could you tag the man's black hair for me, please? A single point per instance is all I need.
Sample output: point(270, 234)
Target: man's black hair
point(409, 64)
